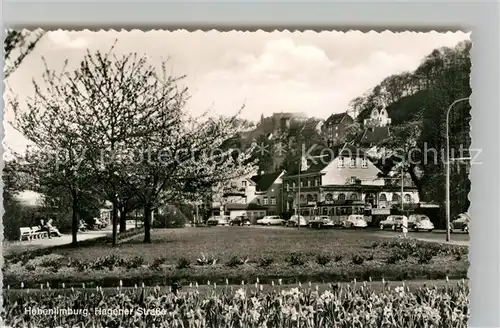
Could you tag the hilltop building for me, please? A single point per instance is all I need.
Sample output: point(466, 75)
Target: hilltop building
point(334, 128)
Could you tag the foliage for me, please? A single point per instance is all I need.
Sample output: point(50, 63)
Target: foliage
point(336, 306)
point(17, 45)
point(323, 259)
point(417, 103)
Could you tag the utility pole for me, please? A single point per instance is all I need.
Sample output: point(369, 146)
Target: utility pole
point(402, 185)
point(298, 201)
point(448, 234)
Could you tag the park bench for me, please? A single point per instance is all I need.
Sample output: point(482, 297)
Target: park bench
point(37, 233)
point(30, 233)
point(25, 233)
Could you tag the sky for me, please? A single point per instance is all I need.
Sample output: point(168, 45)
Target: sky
point(308, 72)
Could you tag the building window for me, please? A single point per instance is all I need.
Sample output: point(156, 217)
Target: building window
point(309, 198)
point(301, 183)
point(329, 197)
point(308, 183)
point(243, 183)
point(315, 198)
point(408, 198)
point(336, 127)
point(354, 197)
point(353, 162)
point(341, 162)
point(336, 135)
point(258, 201)
point(395, 197)
point(234, 185)
point(288, 186)
point(364, 163)
point(266, 201)
point(302, 198)
point(383, 198)
point(353, 179)
point(273, 200)
point(341, 197)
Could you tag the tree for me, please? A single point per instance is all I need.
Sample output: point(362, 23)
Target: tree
point(196, 161)
point(17, 45)
point(56, 159)
point(419, 120)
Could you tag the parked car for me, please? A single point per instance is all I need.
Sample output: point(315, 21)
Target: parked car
point(393, 222)
point(323, 221)
point(355, 221)
point(296, 220)
point(462, 223)
point(271, 220)
point(217, 220)
point(419, 222)
point(240, 221)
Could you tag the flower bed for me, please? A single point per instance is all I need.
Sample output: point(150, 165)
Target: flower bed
point(353, 305)
point(392, 260)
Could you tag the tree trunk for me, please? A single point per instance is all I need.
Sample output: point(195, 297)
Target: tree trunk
point(147, 224)
point(123, 219)
point(74, 221)
point(114, 218)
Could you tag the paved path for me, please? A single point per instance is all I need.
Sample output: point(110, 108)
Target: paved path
point(56, 241)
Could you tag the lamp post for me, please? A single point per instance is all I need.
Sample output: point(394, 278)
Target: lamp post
point(448, 237)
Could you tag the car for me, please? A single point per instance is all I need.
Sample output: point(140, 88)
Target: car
point(323, 221)
point(217, 220)
point(419, 222)
point(240, 221)
point(271, 220)
point(295, 221)
point(462, 222)
point(393, 222)
point(355, 221)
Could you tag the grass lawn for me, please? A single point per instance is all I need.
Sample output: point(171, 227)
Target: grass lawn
point(242, 253)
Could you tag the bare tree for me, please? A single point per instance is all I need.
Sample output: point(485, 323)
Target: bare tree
point(17, 45)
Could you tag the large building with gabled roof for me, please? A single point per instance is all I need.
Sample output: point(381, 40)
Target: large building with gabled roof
point(343, 173)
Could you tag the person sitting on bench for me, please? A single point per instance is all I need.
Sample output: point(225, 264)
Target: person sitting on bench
point(44, 227)
point(53, 229)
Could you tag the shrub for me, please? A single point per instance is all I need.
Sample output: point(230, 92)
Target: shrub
point(204, 260)
point(134, 262)
point(323, 259)
point(183, 263)
point(156, 264)
point(236, 261)
point(338, 258)
point(370, 257)
point(78, 264)
point(297, 259)
point(53, 261)
point(265, 262)
point(109, 262)
point(358, 259)
point(425, 256)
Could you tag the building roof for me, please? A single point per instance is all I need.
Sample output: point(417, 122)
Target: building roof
point(374, 135)
point(316, 165)
point(337, 118)
point(265, 181)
